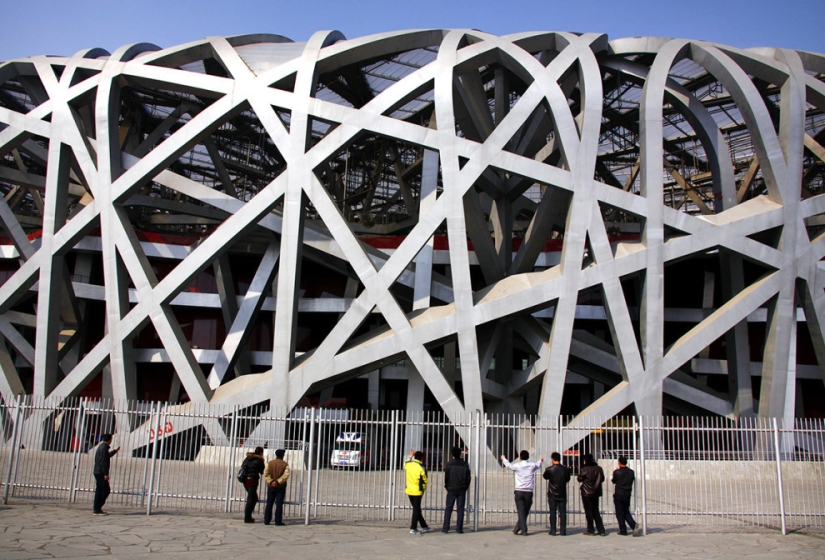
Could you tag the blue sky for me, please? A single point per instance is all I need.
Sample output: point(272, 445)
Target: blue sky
point(63, 27)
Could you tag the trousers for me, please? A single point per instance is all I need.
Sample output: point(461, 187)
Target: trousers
point(251, 501)
point(622, 503)
point(275, 496)
point(102, 491)
point(560, 506)
point(524, 501)
point(591, 513)
point(457, 498)
point(417, 517)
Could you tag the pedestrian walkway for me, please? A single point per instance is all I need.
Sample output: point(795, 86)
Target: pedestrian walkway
point(30, 530)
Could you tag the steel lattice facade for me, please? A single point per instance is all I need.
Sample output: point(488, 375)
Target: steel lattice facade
point(539, 222)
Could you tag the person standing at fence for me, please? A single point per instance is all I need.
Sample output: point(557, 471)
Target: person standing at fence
point(524, 484)
point(416, 478)
point(276, 474)
point(103, 456)
point(252, 468)
point(623, 478)
point(591, 477)
point(557, 477)
point(457, 478)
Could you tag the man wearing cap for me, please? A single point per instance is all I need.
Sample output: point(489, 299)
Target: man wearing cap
point(276, 474)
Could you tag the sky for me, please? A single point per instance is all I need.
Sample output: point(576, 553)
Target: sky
point(63, 27)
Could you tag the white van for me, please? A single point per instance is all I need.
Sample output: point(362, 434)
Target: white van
point(352, 449)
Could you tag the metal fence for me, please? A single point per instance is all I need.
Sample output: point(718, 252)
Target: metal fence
point(690, 471)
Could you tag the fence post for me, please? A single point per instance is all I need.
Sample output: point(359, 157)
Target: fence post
point(643, 473)
point(150, 423)
point(13, 451)
point(159, 436)
point(155, 439)
point(78, 427)
point(230, 464)
point(309, 466)
point(779, 475)
point(476, 467)
point(393, 463)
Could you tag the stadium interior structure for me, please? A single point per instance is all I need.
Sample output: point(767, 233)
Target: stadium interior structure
point(445, 220)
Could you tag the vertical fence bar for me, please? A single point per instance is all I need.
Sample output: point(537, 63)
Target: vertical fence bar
point(147, 458)
point(309, 467)
point(15, 436)
point(642, 468)
point(476, 466)
point(76, 449)
point(779, 475)
point(161, 441)
point(393, 463)
point(230, 463)
point(153, 426)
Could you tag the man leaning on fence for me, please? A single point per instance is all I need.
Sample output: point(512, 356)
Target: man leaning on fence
point(623, 478)
point(523, 491)
point(457, 481)
point(416, 484)
point(557, 477)
point(276, 474)
point(101, 472)
point(591, 477)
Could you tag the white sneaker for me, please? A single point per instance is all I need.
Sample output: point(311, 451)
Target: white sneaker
point(415, 532)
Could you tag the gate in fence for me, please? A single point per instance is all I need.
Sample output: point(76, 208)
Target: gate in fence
point(348, 465)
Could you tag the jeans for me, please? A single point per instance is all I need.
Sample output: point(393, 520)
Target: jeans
point(591, 513)
point(251, 501)
point(454, 497)
point(275, 496)
point(524, 501)
point(559, 505)
point(622, 503)
point(417, 518)
point(102, 491)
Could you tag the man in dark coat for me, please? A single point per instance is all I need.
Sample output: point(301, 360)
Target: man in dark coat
point(101, 472)
point(456, 480)
point(623, 478)
point(591, 476)
point(253, 466)
point(557, 477)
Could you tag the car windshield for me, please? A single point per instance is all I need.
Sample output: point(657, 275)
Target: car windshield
point(347, 446)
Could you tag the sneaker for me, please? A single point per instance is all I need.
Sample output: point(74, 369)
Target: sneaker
point(425, 529)
point(415, 532)
point(445, 531)
point(551, 533)
point(589, 534)
point(460, 531)
point(602, 534)
point(637, 532)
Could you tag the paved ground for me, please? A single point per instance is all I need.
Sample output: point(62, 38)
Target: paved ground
point(48, 530)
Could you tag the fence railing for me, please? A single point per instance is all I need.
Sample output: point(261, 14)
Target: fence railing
point(348, 465)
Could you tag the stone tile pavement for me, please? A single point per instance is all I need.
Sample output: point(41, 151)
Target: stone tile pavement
point(31, 530)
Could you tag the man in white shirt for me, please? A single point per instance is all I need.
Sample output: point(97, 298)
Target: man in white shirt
point(525, 482)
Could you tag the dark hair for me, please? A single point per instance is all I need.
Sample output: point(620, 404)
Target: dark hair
point(279, 453)
point(456, 452)
point(524, 455)
point(555, 456)
point(623, 461)
point(106, 437)
point(259, 450)
point(418, 455)
point(588, 459)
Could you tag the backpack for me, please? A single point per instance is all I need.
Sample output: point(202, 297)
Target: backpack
point(242, 472)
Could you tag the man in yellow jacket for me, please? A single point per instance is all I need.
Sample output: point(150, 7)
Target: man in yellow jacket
point(415, 487)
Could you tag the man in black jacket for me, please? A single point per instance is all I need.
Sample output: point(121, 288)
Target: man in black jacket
point(101, 472)
point(623, 479)
point(591, 476)
point(557, 477)
point(456, 481)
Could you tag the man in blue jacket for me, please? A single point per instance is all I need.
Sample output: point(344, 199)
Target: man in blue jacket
point(456, 480)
